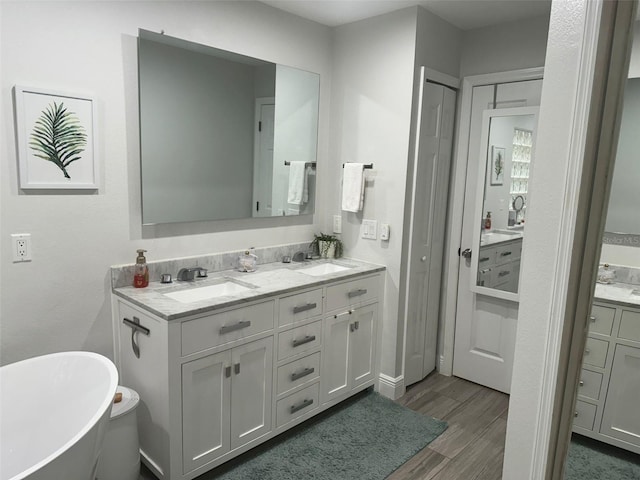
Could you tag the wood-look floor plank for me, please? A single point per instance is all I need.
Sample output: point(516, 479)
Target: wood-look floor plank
point(434, 405)
point(468, 420)
point(424, 465)
point(480, 459)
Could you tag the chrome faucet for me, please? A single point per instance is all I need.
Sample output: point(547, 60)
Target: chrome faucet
point(189, 274)
point(299, 257)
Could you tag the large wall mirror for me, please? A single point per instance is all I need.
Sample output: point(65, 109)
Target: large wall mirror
point(222, 135)
point(506, 157)
point(623, 221)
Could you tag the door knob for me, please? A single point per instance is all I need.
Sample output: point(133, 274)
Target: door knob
point(466, 253)
point(423, 258)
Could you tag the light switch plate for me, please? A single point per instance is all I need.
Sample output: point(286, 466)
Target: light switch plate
point(384, 231)
point(337, 224)
point(370, 229)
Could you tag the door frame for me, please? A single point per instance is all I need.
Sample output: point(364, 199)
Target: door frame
point(446, 332)
point(259, 102)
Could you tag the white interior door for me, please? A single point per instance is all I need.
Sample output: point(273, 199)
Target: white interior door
point(430, 191)
point(263, 157)
point(485, 326)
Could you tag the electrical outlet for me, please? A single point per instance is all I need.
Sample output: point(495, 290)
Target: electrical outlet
point(21, 245)
point(384, 231)
point(337, 224)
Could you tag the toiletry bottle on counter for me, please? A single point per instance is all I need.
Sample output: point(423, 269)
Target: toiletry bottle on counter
point(487, 221)
point(247, 261)
point(141, 271)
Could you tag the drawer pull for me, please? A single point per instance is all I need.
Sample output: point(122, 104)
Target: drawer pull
point(227, 371)
point(356, 293)
point(593, 319)
point(484, 259)
point(587, 351)
point(503, 273)
point(298, 375)
point(304, 308)
point(304, 404)
point(232, 328)
point(575, 414)
point(581, 383)
point(302, 341)
point(505, 254)
point(236, 369)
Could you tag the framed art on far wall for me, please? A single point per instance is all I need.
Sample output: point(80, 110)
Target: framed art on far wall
point(497, 165)
point(55, 133)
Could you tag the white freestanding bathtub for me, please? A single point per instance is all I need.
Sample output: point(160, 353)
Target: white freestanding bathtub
point(54, 412)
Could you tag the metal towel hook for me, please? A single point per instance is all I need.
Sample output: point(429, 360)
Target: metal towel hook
point(135, 328)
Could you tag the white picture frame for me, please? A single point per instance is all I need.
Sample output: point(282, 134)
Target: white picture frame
point(497, 165)
point(55, 133)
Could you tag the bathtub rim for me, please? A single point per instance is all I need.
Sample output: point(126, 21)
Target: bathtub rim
point(95, 418)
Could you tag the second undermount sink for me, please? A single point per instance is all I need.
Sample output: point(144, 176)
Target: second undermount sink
point(323, 269)
point(224, 288)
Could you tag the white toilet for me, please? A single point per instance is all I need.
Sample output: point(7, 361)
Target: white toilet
point(120, 457)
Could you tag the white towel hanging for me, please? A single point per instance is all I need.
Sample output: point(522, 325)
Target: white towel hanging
point(298, 186)
point(353, 187)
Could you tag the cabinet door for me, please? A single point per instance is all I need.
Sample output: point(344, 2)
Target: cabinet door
point(251, 387)
point(206, 396)
point(362, 345)
point(620, 417)
point(335, 359)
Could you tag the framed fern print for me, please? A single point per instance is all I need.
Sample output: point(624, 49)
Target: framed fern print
point(55, 132)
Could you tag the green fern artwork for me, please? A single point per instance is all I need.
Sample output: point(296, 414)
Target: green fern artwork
point(58, 137)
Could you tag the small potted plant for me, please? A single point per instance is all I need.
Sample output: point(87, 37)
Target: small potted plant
point(327, 246)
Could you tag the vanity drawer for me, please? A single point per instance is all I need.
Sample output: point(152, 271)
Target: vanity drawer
point(299, 340)
point(590, 384)
point(595, 353)
point(601, 319)
point(486, 257)
point(350, 293)
point(630, 325)
point(584, 415)
point(297, 404)
point(300, 307)
point(297, 373)
point(502, 274)
point(508, 253)
point(221, 328)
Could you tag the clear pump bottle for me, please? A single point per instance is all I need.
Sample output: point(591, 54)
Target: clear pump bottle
point(141, 271)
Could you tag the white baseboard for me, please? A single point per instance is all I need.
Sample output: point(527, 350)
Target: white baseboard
point(390, 387)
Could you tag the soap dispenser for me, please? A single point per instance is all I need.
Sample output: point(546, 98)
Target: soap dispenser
point(487, 221)
point(141, 271)
point(247, 261)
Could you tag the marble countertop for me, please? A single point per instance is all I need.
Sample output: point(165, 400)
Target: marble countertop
point(499, 236)
point(618, 293)
point(268, 279)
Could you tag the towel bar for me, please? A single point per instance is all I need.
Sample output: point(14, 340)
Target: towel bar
point(367, 166)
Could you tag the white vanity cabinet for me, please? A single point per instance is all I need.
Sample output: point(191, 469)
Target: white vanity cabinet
point(609, 388)
point(216, 383)
point(499, 265)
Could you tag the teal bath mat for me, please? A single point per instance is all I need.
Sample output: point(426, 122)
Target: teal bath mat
point(592, 460)
point(368, 438)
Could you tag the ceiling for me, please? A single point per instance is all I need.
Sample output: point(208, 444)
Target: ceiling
point(464, 14)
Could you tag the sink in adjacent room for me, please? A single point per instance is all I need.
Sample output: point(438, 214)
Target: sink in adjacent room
point(221, 289)
point(323, 269)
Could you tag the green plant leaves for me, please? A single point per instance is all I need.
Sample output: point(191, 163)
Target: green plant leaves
point(58, 137)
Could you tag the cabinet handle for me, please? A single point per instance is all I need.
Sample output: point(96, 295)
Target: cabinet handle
point(505, 254)
point(581, 383)
point(503, 273)
point(135, 328)
point(298, 375)
point(302, 341)
point(236, 369)
point(352, 327)
point(575, 414)
point(304, 308)
point(227, 371)
point(356, 325)
point(587, 351)
point(238, 326)
point(593, 319)
point(484, 259)
point(304, 404)
point(356, 293)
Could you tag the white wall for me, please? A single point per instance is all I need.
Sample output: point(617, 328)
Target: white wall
point(500, 48)
point(60, 300)
point(634, 66)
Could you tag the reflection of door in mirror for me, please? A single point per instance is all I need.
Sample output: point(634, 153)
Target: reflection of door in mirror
point(263, 157)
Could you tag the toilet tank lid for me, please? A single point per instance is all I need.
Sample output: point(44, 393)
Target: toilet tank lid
point(130, 400)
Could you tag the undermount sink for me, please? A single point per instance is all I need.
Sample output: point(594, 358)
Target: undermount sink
point(224, 288)
point(323, 269)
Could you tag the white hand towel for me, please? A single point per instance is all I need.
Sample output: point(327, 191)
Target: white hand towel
point(298, 188)
point(353, 187)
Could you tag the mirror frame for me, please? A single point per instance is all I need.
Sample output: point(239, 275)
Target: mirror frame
point(483, 155)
